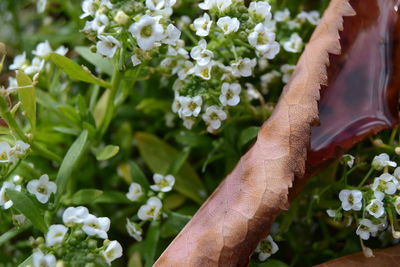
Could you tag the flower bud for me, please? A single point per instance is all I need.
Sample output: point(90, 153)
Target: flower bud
point(397, 150)
point(92, 244)
point(121, 18)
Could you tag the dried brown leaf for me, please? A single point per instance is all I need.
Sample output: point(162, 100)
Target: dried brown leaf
point(228, 227)
point(383, 258)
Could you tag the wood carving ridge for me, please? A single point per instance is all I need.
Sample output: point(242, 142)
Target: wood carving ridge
point(227, 228)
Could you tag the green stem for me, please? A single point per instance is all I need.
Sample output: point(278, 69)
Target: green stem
point(9, 119)
point(366, 177)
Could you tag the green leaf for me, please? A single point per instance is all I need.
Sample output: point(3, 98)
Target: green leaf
point(270, 263)
point(150, 244)
point(137, 175)
point(69, 163)
point(160, 156)
point(26, 263)
point(248, 135)
point(149, 105)
point(74, 71)
point(26, 206)
point(113, 197)
point(107, 152)
point(85, 196)
point(173, 201)
point(178, 162)
point(135, 260)
point(13, 232)
point(104, 64)
point(27, 96)
point(174, 224)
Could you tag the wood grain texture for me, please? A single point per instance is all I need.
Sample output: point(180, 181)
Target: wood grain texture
point(227, 228)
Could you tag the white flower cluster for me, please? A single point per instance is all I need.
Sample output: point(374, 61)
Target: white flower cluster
point(373, 200)
point(77, 219)
point(152, 209)
point(10, 155)
point(266, 248)
point(36, 65)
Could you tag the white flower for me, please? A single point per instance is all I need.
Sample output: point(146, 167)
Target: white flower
point(208, 4)
point(396, 173)
point(331, 213)
point(42, 49)
point(135, 192)
point(348, 159)
point(228, 24)
point(230, 94)
point(201, 54)
point(261, 38)
point(184, 67)
point(121, 18)
point(147, 31)
point(18, 219)
point(20, 149)
point(287, 71)
point(89, 8)
point(113, 251)
point(19, 62)
point(271, 51)
point(163, 183)
point(5, 153)
point(41, 260)
point(94, 226)
point(98, 24)
point(375, 208)
point(203, 25)
point(188, 122)
point(282, 15)
point(4, 200)
point(251, 92)
point(213, 118)
point(313, 17)
point(134, 230)
point(351, 199)
point(107, 46)
point(172, 35)
point(260, 11)
point(12, 83)
point(397, 205)
point(243, 67)
point(268, 78)
point(41, 6)
point(266, 248)
point(62, 50)
point(220, 5)
point(294, 44)
point(135, 60)
point(381, 161)
point(42, 188)
point(366, 228)
point(190, 106)
point(386, 183)
point(202, 71)
point(36, 66)
point(72, 215)
point(150, 210)
point(159, 4)
point(56, 234)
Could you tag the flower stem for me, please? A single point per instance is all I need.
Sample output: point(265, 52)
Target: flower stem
point(366, 177)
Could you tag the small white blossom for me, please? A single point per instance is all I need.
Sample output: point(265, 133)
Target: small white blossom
point(94, 226)
point(98, 24)
point(147, 31)
point(36, 66)
point(351, 199)
point(62, 50)
point(56, 234)
point(184, 67)
point(5, 202)
point(12, 83)
point(190, 106)
point(151, 210)
point(41, 6)
point(313, 17)
point(366, 228)
point(228, 24)
point(266, 248)
point(88, 8)
point(112, 252)
point(159, 4)
point(202, 71)
point(20, 149)
point(134, 230)
point(42, 49)
point(220, 5)
point(203, 25)
point(230, 94)
point(244, 67)
point(397, 205)
point(375, 208)
point(41, 260)
point(386, 183)
point(282, 15)
point(18, 219)
point(294, 44)
point(331, 213)
point(348, 160)
point(42, 188)
point(260, 11)
point(268, 78)
point(135, 192)
point(188, 122)
point(107, 46)
point(163, 183)
point(201, 54)
point(381, 161)
point(135, 61)
point(5, 153)
point(261, 38)
point(287, 71)
point(172, 35)
point(121, 18)
point(74, 215)
point(213, 118)
point(19, 62)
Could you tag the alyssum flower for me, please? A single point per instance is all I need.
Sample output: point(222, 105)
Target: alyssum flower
point(55, 234)
point(112, 251)
point(42, 188)
point(351, 199)
point(266, 248)
point(94, 226)
point(5, 201)
point(151, 210)
point(135, 192)
point(163, 183)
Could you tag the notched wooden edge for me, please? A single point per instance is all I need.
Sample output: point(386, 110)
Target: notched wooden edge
point(227, 228)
